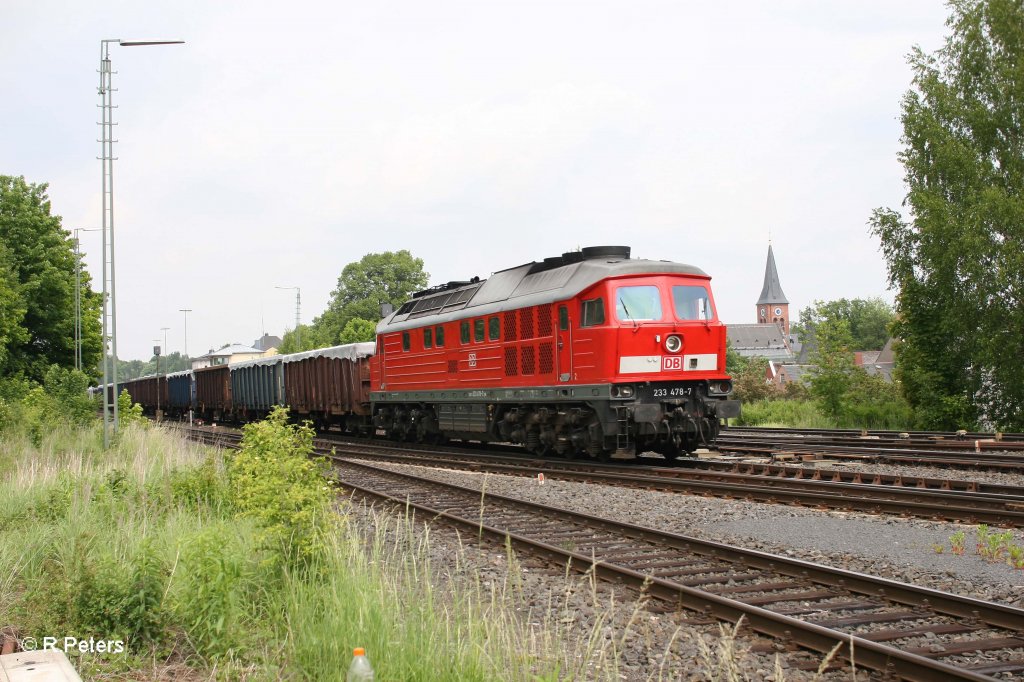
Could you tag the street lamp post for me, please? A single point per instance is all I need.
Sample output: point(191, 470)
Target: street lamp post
point(78, 294)
point(298, 310)
point(107, 157)
point(164, 330)
point(185, 327)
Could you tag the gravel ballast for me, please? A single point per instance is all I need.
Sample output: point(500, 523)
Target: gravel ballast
point(897, 548)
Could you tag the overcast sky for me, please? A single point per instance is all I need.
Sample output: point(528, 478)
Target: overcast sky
point(284, 140)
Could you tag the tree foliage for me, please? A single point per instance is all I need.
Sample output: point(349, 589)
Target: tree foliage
point(750, 381)
point(377, 278)
point(12, 309)
point(37, 287)
point(957, 259)
point(133, 369)
point(833, 370)
point(868, 320)
point(357, 329)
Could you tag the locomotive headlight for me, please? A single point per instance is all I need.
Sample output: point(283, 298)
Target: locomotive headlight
point(720, 387)
point(622, 391)
point(673, 343)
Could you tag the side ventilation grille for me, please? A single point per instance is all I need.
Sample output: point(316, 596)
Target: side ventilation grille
point(547, 358)
point(511, 362)
point(544, 320)
point(510, 327)
point(526, 323)
point(527, 359)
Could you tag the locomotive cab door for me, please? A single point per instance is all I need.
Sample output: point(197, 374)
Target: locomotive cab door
point(564, 344)
point(381, 363)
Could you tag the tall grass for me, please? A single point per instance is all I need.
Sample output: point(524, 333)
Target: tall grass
point(144, 543)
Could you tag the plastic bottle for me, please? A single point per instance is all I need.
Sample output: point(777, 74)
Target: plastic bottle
point(359, 670)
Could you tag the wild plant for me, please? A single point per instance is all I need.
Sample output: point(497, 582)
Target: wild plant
point(957, 541)
point(1016, 558)
point(981, 547)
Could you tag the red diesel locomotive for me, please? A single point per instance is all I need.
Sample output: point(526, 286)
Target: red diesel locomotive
point(588, 353)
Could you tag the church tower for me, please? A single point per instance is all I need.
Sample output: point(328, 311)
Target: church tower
point(772, 306)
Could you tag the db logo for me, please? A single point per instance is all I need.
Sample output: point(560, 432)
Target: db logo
point(472, 359)
point(672, 363)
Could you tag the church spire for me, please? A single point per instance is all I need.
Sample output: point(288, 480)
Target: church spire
point(772, 290)
point(772, 306)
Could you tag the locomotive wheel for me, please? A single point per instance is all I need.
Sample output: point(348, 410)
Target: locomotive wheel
point(541, 449)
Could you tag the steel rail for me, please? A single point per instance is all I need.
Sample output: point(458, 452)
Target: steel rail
point(880, 433)
point(868, 653)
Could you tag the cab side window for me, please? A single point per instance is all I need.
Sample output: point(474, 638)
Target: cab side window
point(563, 318)
point(405, 340)
point(593, 313)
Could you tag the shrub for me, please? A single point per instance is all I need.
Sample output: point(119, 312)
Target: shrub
point(274, 482)
point(128, 413)
point(198, 487)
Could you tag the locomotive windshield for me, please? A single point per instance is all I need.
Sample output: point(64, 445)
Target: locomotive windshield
point(639, 303)
point(692, 302)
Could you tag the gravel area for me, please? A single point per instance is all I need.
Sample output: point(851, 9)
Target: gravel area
point(901, 549)
point(895, 548)
point(611, 632)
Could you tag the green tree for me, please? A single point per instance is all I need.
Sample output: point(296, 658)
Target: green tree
point(12, 310)
point(389, 277)
point(957, 261)
point(833, 372)
point(37, 274)
point(307, 338)
point(869, 320)
point(734, 362)
point(750, 382)
point(357, 329)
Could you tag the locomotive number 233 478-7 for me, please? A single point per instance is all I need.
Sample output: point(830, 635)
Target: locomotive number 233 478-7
point(673, 392)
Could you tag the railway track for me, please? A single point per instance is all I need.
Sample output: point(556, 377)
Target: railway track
point(994, 458)
point(904, 631)
point(936, 499)
point(904, 436)
point(909, 632)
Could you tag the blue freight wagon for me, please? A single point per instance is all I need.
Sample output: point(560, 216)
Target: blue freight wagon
point(181, 388)
point(256, 387)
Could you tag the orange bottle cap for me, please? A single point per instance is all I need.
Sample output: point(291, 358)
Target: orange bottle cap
point(360, 651)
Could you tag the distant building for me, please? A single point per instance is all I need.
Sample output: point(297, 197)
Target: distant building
point(268, 344)
point(877, 362)
point(759, 340)
point(789, 358)
point(772, 305)
point(234, 352)
point(786, 374)
point(769, 336)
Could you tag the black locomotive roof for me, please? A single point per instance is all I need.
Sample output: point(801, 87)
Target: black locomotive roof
point(537, 283)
